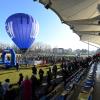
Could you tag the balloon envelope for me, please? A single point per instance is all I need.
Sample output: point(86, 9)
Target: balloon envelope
point(22, 29)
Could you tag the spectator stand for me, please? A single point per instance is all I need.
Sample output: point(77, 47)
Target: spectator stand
point(59, 92)
point(88, 84)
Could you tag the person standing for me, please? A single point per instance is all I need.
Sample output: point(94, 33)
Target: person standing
point(20, 79)
point(26, 89)
point(1, 91)
point(54, 69)
point(41, 72)
point(34, 86)
point(34, 70)
point(6, 87)
point(17, 66)
point(49, 77)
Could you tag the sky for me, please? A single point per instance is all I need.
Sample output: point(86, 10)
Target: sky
point(51, 30)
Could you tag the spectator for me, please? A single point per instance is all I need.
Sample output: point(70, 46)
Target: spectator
point(62, 65)
point(26, 89)
point(20, 79)
point(34, 70)
point(34, 86)
point(64, 74)
point(1, 92)
point(54, 69)
point(49, 77)
point(6, 87)
point(41, 72)
point(51, 68)
point(17, 66)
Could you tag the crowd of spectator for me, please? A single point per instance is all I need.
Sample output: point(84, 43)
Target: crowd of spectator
point(27, 86)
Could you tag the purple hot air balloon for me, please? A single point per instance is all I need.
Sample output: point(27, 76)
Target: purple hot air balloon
point(22, 29)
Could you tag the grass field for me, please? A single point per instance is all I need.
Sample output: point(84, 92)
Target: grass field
point(13, 75)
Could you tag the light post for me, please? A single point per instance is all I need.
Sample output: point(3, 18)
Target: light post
point(88, 45)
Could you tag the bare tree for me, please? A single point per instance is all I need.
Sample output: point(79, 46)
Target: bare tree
point(4, 46)
point(40, 47)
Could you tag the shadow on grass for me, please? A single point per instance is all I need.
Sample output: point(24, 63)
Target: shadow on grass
point(6, 73)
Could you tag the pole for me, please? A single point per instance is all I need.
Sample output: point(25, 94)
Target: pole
point(88, 48)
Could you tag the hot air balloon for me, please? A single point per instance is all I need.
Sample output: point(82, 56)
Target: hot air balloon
point(22, 29)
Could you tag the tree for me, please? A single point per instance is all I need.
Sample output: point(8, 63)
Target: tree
point(69, 51)
point(4, 46)
point(83, 51)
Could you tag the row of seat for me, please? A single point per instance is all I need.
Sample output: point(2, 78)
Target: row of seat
point(69, 82)
point(75, 80)
point(88, 84)
point(70, 85)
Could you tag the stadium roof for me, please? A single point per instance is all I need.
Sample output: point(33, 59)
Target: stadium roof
point(83, 17)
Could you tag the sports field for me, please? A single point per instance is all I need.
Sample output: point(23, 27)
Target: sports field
point(13, 75)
